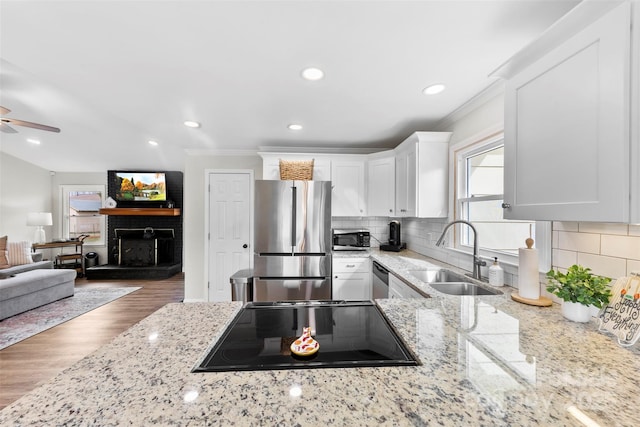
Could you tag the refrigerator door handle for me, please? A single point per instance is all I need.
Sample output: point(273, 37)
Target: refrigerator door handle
point(293, 216)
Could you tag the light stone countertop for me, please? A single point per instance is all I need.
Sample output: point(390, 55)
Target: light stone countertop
point(403, 262)
point(485, 361)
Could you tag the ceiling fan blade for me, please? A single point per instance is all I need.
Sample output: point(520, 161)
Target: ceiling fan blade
point(4, 111)
point(6, 128)
point(30, 125)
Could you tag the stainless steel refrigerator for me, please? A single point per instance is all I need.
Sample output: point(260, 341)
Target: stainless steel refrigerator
point(292, 251)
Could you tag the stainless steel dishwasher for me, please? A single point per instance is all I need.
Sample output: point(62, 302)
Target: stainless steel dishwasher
point(380, 281)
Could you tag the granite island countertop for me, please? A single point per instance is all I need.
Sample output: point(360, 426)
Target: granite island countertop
point(485, 361)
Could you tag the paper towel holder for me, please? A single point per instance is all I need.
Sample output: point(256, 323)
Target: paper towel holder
point(540, 301)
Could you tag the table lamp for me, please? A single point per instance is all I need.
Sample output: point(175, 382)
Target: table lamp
point(39, 219)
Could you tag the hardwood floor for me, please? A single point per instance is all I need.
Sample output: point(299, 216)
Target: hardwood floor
point(26, 364)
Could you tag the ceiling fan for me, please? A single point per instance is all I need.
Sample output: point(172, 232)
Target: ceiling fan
point(4, 126)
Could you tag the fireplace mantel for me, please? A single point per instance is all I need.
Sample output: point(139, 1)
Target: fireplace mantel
point(141, 211)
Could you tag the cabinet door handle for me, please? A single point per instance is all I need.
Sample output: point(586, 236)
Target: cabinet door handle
point(350, 265)
point(506, 205)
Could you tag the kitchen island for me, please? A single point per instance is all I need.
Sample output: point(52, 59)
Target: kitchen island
point(485, 361)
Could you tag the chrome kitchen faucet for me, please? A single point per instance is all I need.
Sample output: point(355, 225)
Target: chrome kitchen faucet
point(477, 262)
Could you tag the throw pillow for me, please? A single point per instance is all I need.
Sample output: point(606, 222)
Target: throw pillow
point(19, 253)
point(4, 261)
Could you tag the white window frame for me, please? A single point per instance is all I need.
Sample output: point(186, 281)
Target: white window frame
point(64, 209)
point(485, 141)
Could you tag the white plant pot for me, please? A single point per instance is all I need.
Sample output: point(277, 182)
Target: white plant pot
point(576, 312)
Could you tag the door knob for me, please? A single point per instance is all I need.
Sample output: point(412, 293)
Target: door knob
point(245, 246)
point(506, 206)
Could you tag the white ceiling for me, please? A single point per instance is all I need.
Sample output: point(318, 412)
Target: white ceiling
point(114, 74)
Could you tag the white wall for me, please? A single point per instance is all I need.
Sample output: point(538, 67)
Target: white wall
point(488, 114)
point(24, 188)
point(194, 220)
point(420, 234)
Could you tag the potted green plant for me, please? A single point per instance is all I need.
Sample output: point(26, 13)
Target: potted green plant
point(579, 289)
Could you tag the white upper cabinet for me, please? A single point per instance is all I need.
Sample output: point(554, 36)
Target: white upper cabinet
point(422, 175)
point(568, 119)
point(271, 165)
point(406, 185)
point(381, 185)
point(635, 114)
point(408, 181)
point(347, 180)
point(346, 173)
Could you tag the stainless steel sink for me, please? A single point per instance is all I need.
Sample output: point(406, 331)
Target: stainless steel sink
point(451, 283)
point(463, 288)
point(437, 275)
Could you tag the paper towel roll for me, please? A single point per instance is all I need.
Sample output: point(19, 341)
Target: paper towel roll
point(528, 276)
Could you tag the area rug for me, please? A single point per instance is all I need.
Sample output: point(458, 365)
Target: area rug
point(25, 325)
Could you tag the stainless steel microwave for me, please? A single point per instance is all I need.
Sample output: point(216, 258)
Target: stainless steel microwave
point(351, 240)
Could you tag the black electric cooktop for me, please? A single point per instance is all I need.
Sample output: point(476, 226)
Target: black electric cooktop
point(350, 333)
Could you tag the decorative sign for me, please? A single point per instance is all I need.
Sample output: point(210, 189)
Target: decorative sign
point(621, 316)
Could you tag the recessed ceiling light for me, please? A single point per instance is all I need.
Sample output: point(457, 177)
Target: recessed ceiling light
point(294, 126)
point(154, 143)
point(33, 141)
point(191, 124)
point(312, 73)
point(433, 89)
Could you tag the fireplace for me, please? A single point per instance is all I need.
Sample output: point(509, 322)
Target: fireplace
point(144, 247)
point(131, 254)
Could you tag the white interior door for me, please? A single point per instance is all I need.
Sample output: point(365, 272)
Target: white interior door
point(230, 229)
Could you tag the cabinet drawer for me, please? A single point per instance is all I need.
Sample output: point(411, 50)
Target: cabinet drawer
point(351, 265)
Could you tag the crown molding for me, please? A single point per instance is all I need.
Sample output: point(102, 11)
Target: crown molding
point(574, 21)
point(487, 94)
point(218, 152)
point(320, 150)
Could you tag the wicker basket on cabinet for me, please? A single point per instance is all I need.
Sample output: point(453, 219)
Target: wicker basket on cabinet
point(300, 170)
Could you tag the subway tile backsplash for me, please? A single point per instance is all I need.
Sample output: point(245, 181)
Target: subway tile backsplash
point(377, 226)
point(608, 249)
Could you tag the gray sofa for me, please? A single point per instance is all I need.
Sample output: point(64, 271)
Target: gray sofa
point(25, 287)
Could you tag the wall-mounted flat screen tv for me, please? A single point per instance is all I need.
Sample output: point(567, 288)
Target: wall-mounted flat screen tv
point(141, 187)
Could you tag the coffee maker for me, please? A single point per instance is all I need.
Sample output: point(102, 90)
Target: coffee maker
point(395, 241)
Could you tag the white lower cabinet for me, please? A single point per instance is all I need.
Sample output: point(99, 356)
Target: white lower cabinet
point(351, 279)
point(399, 289)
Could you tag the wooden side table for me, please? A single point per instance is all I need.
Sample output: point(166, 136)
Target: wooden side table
point(69, 260)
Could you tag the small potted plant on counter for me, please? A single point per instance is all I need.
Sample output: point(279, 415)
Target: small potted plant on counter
point(579, 289)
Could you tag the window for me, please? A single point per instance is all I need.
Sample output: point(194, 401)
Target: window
point(80, 213)
point(479, 200)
